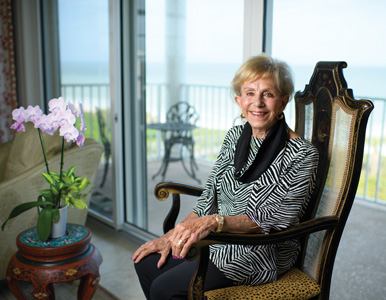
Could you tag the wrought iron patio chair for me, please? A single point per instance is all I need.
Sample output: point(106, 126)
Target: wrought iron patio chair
point(178, 116)
point(327, 115)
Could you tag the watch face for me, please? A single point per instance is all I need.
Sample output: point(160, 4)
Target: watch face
point(220, 219)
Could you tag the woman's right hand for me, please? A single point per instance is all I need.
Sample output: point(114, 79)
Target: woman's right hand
point(160, 245)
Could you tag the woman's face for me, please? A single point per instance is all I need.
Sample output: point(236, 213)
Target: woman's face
point(261, 103)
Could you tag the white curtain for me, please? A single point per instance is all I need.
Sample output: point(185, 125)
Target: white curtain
point(7, 72)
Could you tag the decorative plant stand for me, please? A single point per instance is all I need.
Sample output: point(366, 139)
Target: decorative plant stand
point(57, 260)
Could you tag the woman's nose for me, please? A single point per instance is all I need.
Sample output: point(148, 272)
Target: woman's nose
point(258, 101)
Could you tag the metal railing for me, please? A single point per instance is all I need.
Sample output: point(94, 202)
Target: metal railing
point(372, 184)
point(218, 112)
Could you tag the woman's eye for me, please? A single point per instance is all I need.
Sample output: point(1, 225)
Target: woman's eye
point(268, 95)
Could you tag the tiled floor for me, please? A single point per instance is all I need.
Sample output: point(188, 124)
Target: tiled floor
point(117, 270)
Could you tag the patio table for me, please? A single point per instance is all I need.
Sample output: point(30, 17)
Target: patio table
point(181, 131)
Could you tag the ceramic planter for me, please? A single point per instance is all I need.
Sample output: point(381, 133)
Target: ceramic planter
point(59, 229)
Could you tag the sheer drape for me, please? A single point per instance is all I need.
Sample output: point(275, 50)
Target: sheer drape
point(7, 71)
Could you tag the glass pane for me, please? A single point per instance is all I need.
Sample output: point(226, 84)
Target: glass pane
point(329, 30)
point(84, 63)
point(305, 32)
point(193, 49)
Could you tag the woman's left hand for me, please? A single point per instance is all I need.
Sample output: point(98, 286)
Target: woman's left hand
point(187, 233)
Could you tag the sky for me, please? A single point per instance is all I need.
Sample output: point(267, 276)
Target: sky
point(349, 29)
point(209, 24)
point(84, 30)
point(313, 30)
point(304, 32)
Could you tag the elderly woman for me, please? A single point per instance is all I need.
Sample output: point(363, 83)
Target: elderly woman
point(261, 181)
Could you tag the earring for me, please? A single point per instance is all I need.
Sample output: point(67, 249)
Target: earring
point(280, 116)
point(242, 116)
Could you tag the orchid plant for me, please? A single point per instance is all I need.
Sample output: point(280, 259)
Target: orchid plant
point(65, 188)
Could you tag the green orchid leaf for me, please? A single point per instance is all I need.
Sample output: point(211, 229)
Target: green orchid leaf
point(54, 190)
point(66, 179)
point(79, 204)
point(43, 227)
point(54, 176)
point(74, 188)
point(65, 201)
point(48, 178)
point(55, 214)
point(84, 184)
point(22, 208)
point(62, 185)
point(47, 193)
point(71, 171)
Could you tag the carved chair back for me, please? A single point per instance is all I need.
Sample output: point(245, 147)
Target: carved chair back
point(328, 116)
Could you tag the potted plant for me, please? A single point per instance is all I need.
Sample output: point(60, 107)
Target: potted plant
point(65, 188)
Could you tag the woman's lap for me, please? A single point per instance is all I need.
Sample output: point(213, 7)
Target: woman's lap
point(173, 279)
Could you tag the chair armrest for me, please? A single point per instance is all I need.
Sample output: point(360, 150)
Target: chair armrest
point(296, 231)
point(201, 248)
point(162, 191)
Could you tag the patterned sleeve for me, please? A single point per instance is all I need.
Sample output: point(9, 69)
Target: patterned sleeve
point(207, 202)
point(279, 204)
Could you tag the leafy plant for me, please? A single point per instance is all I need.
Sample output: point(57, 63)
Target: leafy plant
point(65, 188)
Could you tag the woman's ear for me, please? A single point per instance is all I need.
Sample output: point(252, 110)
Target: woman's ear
point(284, 101)
point(237, 99)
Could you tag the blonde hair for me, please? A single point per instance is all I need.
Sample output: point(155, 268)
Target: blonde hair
point(263, 66)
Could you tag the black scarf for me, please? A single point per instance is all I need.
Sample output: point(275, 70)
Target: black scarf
point(269, 149)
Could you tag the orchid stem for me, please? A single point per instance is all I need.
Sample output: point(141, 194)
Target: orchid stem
point(43, 149)
point(61, 169)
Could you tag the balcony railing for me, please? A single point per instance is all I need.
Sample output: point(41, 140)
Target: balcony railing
point(218, 112)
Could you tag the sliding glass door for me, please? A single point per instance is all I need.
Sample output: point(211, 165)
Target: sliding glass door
point(85, 78)
point(129, 62)
point(193, 49)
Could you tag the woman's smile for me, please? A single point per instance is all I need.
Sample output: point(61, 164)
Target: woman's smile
point(258, 114)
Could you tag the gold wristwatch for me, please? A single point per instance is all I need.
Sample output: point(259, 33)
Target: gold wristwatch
point(220, 222)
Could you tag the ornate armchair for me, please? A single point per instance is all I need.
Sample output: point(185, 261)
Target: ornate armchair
point(327, 115)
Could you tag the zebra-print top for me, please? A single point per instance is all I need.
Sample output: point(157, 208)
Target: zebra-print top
point(276, 200)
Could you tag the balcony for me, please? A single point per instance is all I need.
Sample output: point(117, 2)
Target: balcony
point(217, 113)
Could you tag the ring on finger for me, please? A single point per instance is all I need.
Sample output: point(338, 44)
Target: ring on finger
point(180, 243)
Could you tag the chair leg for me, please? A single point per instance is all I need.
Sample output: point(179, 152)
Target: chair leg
point(190, 172)
point(165, 163)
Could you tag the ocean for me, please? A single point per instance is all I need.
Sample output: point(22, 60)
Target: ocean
point(366, 81)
